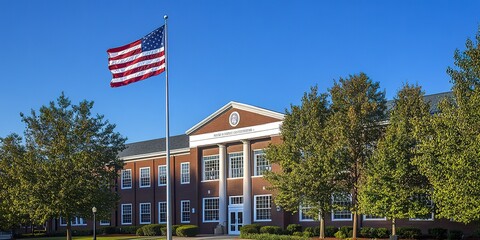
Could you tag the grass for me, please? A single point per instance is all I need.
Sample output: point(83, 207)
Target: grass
point(98, 238)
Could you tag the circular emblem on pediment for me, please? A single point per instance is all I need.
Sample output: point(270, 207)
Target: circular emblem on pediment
point(234, 119)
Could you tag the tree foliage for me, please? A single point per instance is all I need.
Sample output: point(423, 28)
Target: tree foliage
point(392, 186)
point(358, 109)
point(69, 163)
point(449, 152)
point(309, 173)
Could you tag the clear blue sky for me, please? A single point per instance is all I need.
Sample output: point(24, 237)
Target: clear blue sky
point(263, 53)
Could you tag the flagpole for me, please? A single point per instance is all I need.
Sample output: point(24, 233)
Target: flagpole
point(167, 138)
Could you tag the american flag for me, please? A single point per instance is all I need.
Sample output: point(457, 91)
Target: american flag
point(138, 60)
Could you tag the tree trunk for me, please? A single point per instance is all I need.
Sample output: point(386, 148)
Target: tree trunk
point(69, 229)
point(394, 231)
point(322, 226)
point(354, 234)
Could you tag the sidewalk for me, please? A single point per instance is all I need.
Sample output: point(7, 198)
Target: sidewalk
point(207, 236)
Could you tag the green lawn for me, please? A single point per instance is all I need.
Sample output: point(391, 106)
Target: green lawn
point(98, 238)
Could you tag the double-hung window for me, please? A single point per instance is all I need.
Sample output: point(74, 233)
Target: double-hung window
point(342, 202)
point(127, 214)
point(185, 211)
point(145, 213)
point(162, 175)
point(236, 164)
point(162, 212)
point(185, 173)
point(303, 213)
point(145, 177)
point(261, 163)
point(210, 167)
point(126, 179)
point(263, 208)
point(210, 209)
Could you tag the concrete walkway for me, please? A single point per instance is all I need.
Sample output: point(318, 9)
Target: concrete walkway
point(207, 236)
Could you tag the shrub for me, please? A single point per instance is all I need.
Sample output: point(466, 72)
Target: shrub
point(455, 235)
point(438, 233)
point(409, 232)
point(298, 234)
point(366, 232)
point(187, 231)
point(340, 235)
point(292, 228)
point(306, 234)
point(128, 229)
point(271, 230)
point(152, 230)
point(329, 231)
point(108, 230)
point(380, 233)
point(251, 228)
point(266, 236)
point(140, 232)
point(347, 230)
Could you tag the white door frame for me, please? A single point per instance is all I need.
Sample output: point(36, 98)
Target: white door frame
point(237, 209)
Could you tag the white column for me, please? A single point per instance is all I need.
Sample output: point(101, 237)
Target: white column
point(222, 185)
point(247, 184)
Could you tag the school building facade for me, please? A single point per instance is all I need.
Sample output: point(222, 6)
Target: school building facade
point(216, 169)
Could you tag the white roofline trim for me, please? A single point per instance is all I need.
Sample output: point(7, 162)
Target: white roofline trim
point(240, 106)
point(155, 154)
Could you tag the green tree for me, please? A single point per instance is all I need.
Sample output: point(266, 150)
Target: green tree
point(70, 163)
point(358, 109)
point(392, 186)
point(308, 172)
point(449, 152)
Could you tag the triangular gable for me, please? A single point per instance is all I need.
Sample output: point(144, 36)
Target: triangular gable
point(248, 116)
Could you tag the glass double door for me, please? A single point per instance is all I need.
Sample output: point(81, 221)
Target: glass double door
point(235, 220)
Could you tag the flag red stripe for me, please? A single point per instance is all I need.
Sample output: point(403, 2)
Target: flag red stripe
point(128, 54)
point(132, 80)
point(138, 69)
point(118, 49)
point(148, 57)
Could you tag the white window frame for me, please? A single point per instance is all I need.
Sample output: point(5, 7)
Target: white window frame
point(122, 178)
point(185, 173)
point(140, 182)
point(185, 211)
point(160, 212)
point(373, 218)
point(104, 222)
point(76, 221)
point(235, 159)
point(123, 213)
point(217, 209)
point(235, 200)
point(302, 217)
point(162, 174)
point(143, 207)
point(211, 158)
point(349, 197)
point(268, 208)
point(256, 154)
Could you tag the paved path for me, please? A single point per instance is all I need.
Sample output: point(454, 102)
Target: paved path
point(203, 236)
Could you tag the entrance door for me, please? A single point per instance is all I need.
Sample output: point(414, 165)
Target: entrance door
point(235, 221)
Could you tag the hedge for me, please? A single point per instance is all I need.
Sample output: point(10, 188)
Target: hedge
point(292, 228)
point(438, 233)
point(266, 236)
point(409, 232)
point(248, 229)
point(187, 231)
point(271, 230)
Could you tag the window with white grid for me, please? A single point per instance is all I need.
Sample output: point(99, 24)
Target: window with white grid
point(236, 164)
point(145, 177)
point(126, 178)
point(210, 209)
point(185, 211)
point(126, 214)
point(263, 208)
point(104, 222)
point(162, 212)
point(145, 213)
point(236, 200)
point(304, 217)
point(185, 173)
point(343, 202)
point(162, 175)
point(373, 218)
point(261, 163)
point(210, 167)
